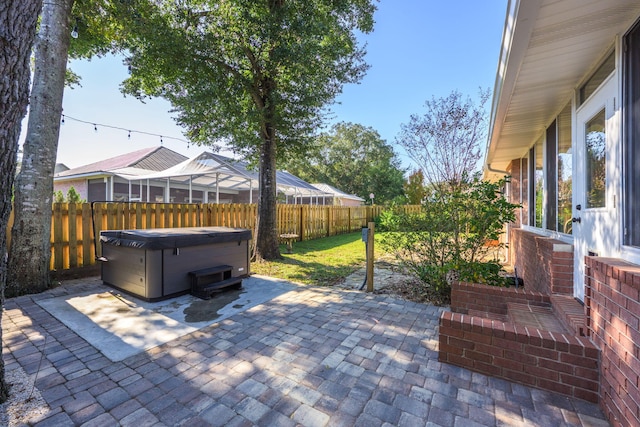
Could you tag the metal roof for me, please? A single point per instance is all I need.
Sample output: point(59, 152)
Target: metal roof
point(210, 170)
point(151, 159)
point(336, 193)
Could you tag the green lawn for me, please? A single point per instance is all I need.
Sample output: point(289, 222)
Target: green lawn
point(317, 262)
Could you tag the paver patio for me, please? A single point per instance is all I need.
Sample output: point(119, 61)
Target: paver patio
point(311, 357)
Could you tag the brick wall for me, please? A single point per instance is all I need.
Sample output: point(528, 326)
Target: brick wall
point(560, 363)
point(612, 298)
point(545, 264)
point(491, 299)
point(80, 185)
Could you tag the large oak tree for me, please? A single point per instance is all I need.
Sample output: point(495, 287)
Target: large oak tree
point(30, 250)
point(18, 20)
point(96, 29)
point(256, 75)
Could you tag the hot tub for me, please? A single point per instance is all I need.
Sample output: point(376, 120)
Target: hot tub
point(161, 263)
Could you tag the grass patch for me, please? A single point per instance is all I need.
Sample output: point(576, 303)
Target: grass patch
point(322, 262)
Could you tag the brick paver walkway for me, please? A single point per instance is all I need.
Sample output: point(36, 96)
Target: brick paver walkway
point(311, 357)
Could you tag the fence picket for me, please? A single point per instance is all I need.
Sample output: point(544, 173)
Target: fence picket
point(88, 252)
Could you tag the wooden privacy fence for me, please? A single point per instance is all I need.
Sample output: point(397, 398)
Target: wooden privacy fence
point(75, 225)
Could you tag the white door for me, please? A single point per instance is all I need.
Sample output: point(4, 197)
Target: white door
point(596, 190)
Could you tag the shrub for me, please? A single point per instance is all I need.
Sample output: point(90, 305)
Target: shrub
point(447, 240)
point(72, 196)
point(58, 197)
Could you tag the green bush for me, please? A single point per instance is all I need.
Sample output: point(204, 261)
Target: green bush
point(447, 240)
point(389, 219)
point(72, 196)
point(58, 197)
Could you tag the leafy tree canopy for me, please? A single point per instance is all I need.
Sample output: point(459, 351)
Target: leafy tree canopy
point(355, 159)
point(235, 69)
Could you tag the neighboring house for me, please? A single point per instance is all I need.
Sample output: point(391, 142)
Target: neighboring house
point(108, 179)
point(565, 125)
point(60, 167)
point(160, 175)
point(338, 197)
point(210, 177)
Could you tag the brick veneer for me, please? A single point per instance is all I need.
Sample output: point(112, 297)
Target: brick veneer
point(491, 299)
point(612, 298)
point(545, 264)
point(561, 363)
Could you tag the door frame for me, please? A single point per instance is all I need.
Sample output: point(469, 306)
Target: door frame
point(599, 229)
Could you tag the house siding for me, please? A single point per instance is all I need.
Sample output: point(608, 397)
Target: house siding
point(612, 299)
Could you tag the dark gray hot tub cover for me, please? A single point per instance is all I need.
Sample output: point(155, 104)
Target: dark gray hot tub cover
point(168, 238)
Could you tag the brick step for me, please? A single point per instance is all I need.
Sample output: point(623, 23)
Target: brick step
point(571, 313)
point(535, 316)
point(488, 315)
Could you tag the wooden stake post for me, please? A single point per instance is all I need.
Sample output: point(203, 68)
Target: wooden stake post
point(370, 234)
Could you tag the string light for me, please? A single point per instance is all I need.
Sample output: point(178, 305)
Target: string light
point(74, 32)
point(129, 131)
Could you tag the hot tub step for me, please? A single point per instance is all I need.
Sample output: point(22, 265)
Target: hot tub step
point(206, 292)
point(206, 281)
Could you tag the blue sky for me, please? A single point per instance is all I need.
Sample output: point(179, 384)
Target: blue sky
point(419, 49)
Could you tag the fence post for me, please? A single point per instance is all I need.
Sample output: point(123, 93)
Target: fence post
point(370, 237)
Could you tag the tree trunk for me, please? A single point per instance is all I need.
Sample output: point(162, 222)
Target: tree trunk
point(266, 238)
point(17, 30)
point(30, 252)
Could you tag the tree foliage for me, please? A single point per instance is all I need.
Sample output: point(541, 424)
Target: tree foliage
point(256, 75)
point(414, 188)
point(448, 238)
point(72, 196)
point(354, 159)
point(445, 140)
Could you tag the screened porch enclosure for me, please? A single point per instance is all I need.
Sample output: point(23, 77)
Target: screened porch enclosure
point(206, 178)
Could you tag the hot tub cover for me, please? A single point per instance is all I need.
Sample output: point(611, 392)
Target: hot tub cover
point(167, 238)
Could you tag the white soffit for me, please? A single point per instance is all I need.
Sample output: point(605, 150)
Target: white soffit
point(549, 47)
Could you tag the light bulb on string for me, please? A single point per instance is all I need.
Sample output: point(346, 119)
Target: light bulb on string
point(74, 32)
point(129, 131)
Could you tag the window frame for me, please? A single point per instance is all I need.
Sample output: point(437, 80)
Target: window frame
point(631, 133)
